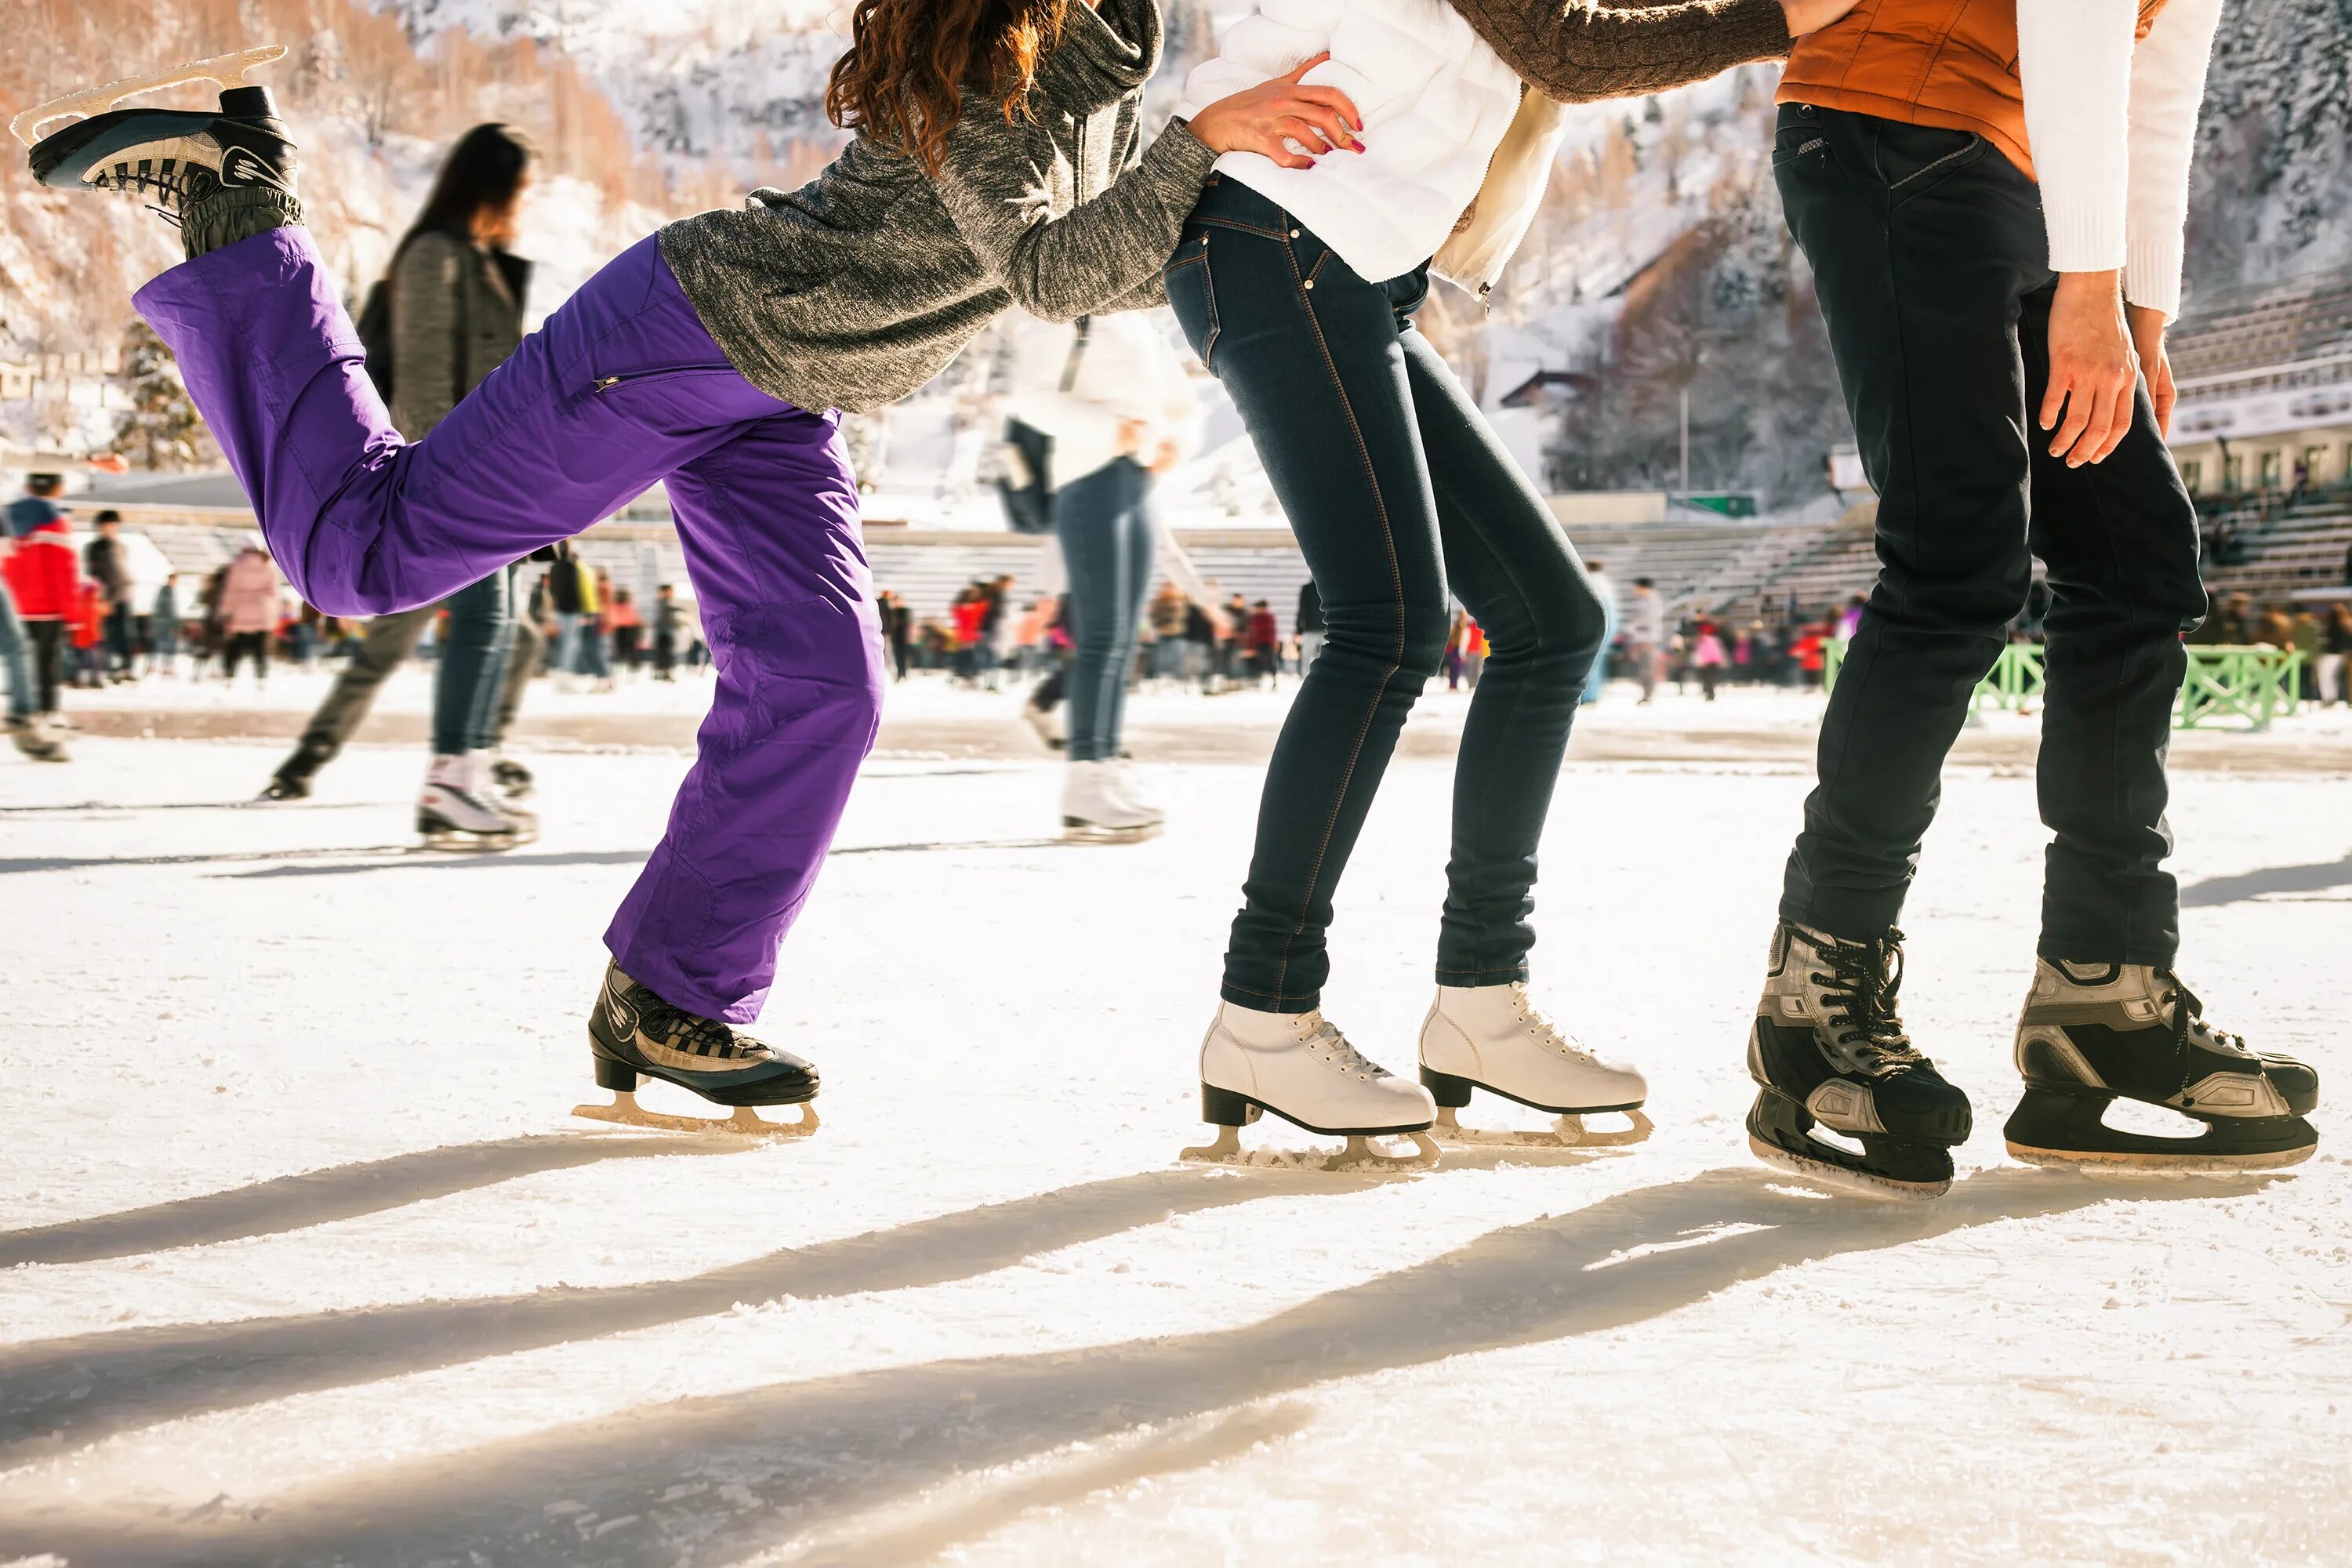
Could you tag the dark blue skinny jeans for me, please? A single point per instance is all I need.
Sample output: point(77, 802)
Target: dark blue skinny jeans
point(1400, 494)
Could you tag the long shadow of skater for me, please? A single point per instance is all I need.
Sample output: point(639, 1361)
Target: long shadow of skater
point(613, 857)
point(322, 1197)
point(89, 1386)
point(719, 1478)
point(2269, 879)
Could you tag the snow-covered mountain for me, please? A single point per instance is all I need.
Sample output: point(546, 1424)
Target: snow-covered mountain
point(1658, 267)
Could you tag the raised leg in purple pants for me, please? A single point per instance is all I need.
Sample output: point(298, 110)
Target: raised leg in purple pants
point(621, 387)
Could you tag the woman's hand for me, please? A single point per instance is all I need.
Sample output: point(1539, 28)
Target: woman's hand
point(1813, 16)
point(1269, 117)
point(2094, 369)
point(2155, 364)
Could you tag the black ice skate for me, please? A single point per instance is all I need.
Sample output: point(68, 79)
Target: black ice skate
point(172, 157)
point(1827, 1050)
point(513, 781)
point(292, 779)
point(634, 1034)
point(2093, 1033)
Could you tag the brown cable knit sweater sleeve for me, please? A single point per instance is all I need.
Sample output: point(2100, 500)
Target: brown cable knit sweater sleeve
point(1580, 50)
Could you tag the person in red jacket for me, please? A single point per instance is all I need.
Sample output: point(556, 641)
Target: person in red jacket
point(45, 579)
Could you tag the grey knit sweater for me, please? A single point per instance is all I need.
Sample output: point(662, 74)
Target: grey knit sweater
point(859, 286)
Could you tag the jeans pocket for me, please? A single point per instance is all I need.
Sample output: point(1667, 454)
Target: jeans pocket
point(1193, 296)
point(1912, 159)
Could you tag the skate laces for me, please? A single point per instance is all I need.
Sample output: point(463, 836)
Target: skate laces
point(2189, 1019)
point(697, 1035)
point(1535, 1018)
point(172, 188)
point(1864, 979)
point(1325, 1041)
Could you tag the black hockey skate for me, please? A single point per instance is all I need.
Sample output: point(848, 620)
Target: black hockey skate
point(511, 779)
point(1828, 1051)
point(634, 1034)
point(172, 157)
point(292, 779)
point(2093, 1033)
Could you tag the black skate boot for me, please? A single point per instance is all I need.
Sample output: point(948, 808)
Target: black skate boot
point(292, 779)
point(2093, 1033)
point(173, 157)
point(513, 781)
point(632, 1033)
point(1828, 1050)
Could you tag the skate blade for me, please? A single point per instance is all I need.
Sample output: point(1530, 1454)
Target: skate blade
point(1859, 1184)
point(1092, 833)
point(225, 71)
point(1359, 1154)
point(468, 843)
point(1569, 1133)
point(745, 1122)
point(2125, 1163)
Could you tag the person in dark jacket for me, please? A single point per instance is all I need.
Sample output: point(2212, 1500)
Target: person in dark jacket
point(456, 313)
point(104, 563)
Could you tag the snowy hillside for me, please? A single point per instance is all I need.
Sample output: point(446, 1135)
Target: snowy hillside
point(1658, 268)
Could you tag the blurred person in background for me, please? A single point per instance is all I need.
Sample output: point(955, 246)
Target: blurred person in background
point(628, 631)
point(1114, 398)
point(1645, 636)
point(449, 313)
point(1604, 589)
point(667, 616)
point(568, 588)
point(105, 562)
point(2335, 650)
point(163, 627)
point(38, 589)
point(1708, 656)
point(250, 607)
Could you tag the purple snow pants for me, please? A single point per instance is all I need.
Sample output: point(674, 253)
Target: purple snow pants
point(622, 387)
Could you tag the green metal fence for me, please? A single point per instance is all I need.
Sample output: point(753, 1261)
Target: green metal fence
point(2225, 682)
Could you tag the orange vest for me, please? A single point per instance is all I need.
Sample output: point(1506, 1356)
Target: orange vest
point(1948, 63)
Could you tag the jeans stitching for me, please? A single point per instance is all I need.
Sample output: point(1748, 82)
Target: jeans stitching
point(1246, 227)
point(1388, 539)
point(1211, 327)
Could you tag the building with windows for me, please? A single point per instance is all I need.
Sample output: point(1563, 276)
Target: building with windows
point(2265, 381)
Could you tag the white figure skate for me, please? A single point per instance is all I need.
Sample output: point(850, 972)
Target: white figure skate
point(1095, 811)
point(456, 811)
point(1493, 1038)
point(1302, 1068)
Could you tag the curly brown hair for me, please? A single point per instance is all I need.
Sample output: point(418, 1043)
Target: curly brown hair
point(901, 83)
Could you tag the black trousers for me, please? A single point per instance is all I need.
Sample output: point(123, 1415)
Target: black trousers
point(1398, 493)
point(50, 640)
point(1929, 252)
point(244, 644)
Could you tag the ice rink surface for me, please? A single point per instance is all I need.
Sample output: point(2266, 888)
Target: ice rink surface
point(303, 1260)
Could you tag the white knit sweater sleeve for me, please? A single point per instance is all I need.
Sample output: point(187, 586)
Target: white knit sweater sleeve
point(2112, 127)
point(2167, 87)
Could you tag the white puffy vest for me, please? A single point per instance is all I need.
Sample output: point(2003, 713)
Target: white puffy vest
point(1436, 100)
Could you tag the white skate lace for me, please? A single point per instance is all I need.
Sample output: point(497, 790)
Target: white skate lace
point(1326, 1042)
point(1542, 1025)
point(2188, 1023)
